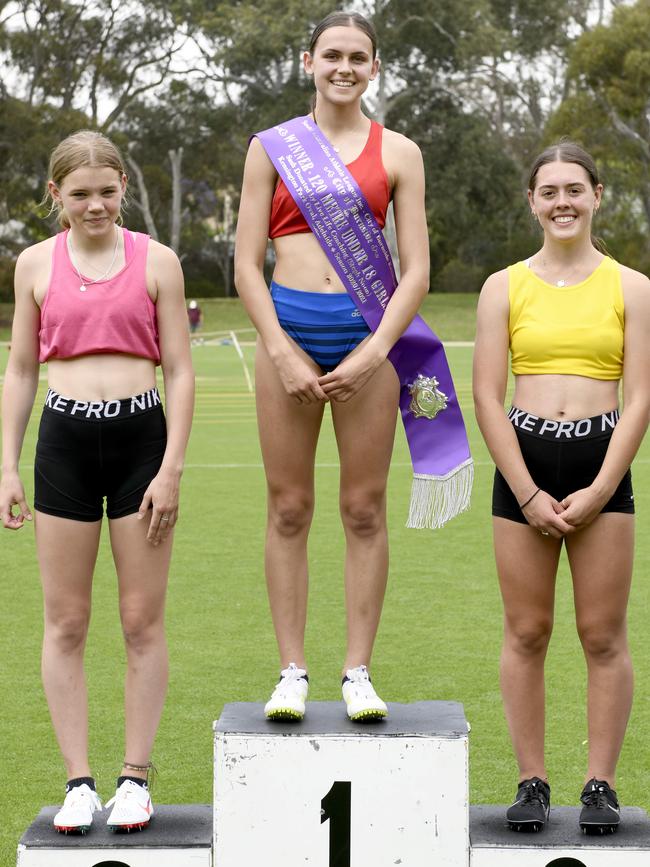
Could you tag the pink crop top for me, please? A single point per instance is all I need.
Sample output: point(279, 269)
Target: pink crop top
point(367, 170)
point(113, 315)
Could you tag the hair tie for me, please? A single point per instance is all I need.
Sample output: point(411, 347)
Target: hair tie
point(530, 499)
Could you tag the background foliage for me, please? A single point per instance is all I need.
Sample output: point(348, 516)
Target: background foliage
point(481, 86)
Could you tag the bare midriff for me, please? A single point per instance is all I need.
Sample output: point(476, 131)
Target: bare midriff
point(101, 376)
point(564, 396)
point(302, 264)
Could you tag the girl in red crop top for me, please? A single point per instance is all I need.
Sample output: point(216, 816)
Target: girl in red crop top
point(103, 306)
point(313, 348)
point(563, 455)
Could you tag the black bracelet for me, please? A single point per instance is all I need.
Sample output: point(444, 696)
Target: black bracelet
point(530, 499)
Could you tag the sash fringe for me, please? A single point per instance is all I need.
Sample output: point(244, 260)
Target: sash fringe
point(437, 499)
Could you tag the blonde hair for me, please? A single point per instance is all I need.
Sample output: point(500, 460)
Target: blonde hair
point(82, 148)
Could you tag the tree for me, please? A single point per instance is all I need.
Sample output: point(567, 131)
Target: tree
point(473, 83)
point(156, 139)
point(253, 59)
point(607, 107)
point(99, 55)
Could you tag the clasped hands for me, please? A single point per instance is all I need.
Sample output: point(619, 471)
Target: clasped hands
point(303, 384)
point(561, 518)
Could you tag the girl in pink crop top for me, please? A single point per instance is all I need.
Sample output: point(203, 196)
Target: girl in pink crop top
point(315, 348)
point(112, 315)
point(102, 306)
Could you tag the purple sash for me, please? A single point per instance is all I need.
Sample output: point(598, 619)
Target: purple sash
point(340, 218)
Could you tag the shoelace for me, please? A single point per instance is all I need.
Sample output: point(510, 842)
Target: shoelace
point(290, 676)
point(361, 683)
point(595, 797)
point(359, 674)
point(124, 793)
point(531, 793)
point(76, 796)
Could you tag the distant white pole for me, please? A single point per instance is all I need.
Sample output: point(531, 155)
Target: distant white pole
point(235, 342)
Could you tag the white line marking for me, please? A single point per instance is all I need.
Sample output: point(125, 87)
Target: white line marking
point(249, 382)
point(336, 465)
point(319, 466)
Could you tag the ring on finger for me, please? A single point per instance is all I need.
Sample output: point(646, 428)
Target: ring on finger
point(544, 532)
point(165, 518)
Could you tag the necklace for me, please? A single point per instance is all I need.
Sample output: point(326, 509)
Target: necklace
point(86, 283)
point(562, 282)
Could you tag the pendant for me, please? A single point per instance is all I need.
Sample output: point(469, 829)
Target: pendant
point(427, 400)
point(82, 288)
point(561, 283)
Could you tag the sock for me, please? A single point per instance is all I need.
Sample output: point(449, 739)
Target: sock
point(137, 780)
point(79, 781)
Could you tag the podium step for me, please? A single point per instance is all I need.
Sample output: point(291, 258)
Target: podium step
point(560, 844)
point(180, 835)
point(327, 792)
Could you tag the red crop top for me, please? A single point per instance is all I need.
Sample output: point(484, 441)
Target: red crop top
point(367, 170)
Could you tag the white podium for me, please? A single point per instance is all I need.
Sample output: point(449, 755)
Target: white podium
point(179, 835)
point(330, 793)
point(561, 844)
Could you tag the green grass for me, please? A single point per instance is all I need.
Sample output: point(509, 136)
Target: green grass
point(451, 315)
point(439, 638)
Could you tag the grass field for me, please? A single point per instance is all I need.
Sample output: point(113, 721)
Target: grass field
point(439, 638)
point(453, 315)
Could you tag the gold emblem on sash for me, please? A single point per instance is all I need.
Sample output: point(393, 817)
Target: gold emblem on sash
point(427, 400)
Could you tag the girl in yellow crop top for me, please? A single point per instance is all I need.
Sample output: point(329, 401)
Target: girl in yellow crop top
point(576, 323)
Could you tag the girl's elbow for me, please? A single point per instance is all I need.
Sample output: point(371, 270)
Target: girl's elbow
point(420, 283)
point(177, 367)
point(24, 369)
point(485, 403)
point(244, 272)
point(478, 406)
point(637, 403)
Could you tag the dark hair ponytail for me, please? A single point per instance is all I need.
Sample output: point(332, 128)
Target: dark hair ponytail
point(344, 19)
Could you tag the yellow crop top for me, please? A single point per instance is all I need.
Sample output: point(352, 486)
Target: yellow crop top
point(573, 329)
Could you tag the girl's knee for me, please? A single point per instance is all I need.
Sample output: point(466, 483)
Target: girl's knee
point(141, 628)
point(529, 637)
point(67, 630)
point(364, 515)
point(290, 513)
point(603, 641)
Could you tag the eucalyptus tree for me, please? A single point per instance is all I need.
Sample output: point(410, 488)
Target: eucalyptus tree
point(97, 56)
point(252, 59)
point(607, 106)
point(70, 64)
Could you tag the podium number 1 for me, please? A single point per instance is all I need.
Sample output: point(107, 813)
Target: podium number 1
point(335, 808)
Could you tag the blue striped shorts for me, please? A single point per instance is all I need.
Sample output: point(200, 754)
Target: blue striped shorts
point(327, 326)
